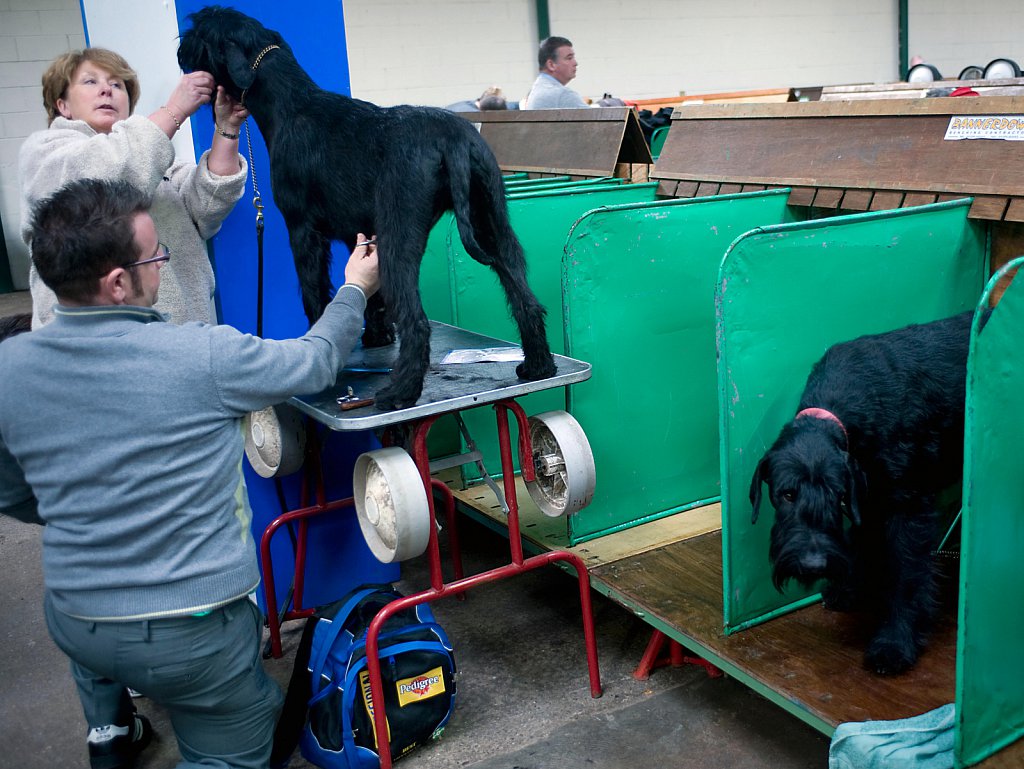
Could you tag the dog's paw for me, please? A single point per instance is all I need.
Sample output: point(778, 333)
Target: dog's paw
point(838, 597)
point(537, 369)
point(392, 398)
point(378, 336)
point(888, 657)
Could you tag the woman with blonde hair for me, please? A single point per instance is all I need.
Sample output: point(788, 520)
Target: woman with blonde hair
point(90, 97)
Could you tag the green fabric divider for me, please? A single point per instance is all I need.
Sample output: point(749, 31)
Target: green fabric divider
point(787, 293)
point(990, 666)
point(437, 291)
point(542, 221)
point(604, 181)
point(435, 273)
point(658, 137)
point(639, 289)
point(525, 181)
point(436, 288)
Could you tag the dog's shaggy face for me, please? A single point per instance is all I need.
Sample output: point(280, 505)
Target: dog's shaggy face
point(813, 486)
point(207, 46)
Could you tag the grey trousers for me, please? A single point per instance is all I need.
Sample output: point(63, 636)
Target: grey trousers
point(206, 671)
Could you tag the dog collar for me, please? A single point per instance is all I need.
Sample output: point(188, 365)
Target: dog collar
point(824, 414)
point(255, 65)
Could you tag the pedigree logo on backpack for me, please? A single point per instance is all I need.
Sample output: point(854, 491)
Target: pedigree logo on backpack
point(421, 687)
point(339, 729)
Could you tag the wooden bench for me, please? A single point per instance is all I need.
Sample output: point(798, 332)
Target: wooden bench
point(853, 156)
point(1002, 87)
point(580, 143)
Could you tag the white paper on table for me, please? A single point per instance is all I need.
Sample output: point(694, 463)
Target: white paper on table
point(484, 355)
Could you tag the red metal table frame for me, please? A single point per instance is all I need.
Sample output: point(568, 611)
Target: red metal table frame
point(482, 384)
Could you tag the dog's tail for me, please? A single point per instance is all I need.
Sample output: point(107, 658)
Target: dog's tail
point(478, 201)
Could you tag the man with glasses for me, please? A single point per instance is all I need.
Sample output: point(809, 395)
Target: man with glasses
point(120, 431)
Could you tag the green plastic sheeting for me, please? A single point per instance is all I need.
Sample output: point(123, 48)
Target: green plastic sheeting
point(542, 221)
point(639, 288)
point(435, 275)
point(438, 294)
point(604, 181)
point(787, 293)
point(525, 181)
point(658, 137)
point(990, 663)
point(435, 272)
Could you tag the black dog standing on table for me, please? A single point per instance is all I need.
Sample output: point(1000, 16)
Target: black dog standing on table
point(340, 166)
point(878, 435)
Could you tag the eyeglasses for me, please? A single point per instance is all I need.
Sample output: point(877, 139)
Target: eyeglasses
point(163, 253)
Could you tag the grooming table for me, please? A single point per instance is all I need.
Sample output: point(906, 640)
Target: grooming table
point(447, 389)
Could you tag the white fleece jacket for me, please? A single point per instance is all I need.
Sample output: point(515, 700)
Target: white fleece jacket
point(189, 202)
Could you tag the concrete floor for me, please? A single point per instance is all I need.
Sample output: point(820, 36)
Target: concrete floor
point(523, 700)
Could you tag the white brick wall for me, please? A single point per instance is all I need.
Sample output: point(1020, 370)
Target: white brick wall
point(32, 33)
point(664, 47)
point(446, 50)
point(439, 52)
point(442, 51)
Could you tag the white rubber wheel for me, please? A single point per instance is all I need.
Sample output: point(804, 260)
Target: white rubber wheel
point(391, 504)
point(275, 440)
point(563, 463)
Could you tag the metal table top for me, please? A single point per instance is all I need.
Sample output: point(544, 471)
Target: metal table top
point(446, 388)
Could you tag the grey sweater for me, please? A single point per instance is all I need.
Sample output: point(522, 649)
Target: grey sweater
point(122, 433)
point(189, 202)
point(548, 93)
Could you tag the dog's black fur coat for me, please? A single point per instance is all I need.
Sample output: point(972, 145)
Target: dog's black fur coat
point(340, 166)
point(12, 325)
point(900, 396)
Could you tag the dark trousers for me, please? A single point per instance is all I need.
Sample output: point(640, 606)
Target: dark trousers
point(206, 671)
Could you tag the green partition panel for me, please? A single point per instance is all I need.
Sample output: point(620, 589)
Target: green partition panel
point(525, 181)
point(604, 181)
point(638, 304)
point(437, 293)
point(435, 274)
point(658, 137)
point(787, 293)
point(542, 221)
point(990, 666)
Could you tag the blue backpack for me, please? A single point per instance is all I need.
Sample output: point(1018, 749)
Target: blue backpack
point(417, 668)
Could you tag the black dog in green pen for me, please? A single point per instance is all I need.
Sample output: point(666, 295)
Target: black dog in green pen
point(339, 166)
point(878, 435)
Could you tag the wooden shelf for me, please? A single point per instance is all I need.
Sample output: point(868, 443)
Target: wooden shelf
point(809, 661)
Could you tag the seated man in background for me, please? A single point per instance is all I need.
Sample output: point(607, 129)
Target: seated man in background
point(557, 63)
point(492, 98)
point(149, 562)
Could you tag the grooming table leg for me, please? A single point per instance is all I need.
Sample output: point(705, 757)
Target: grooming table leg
point(518, 565)
point(312, 478)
